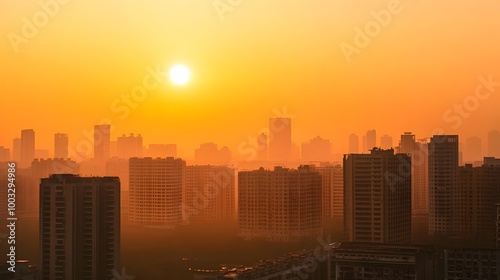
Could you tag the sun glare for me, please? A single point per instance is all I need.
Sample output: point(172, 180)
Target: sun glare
point(179, 74)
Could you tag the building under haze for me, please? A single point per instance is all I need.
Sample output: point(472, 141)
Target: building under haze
point(210, 153)
point(317, 149)
point(209, 194)
point(473, 151)
point(4, 154)
point(476, 192)
point(280, 205)
point(353, 143)
point(156, 191)
point(79, 227)
point(129, 146)
point(61, 143)
point(443, 171)
point(386, 142)
point(27, 147)
point(494, 143)
point(280, 139)
point(262, 147)
point(16, 150)
point(102, 142)
point(377, 197)
point(162, 150)
point(371, 140)
point(332, 178)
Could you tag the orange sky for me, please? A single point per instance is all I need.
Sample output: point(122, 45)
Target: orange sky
point(264, 56)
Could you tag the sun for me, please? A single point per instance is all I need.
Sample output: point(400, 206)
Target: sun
point(179, 74)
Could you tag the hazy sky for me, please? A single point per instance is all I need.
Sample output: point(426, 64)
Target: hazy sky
point(262, 56)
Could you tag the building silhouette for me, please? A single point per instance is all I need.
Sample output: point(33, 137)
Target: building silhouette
point(262, 147)
point(16, 150)
point(473, 150)
point(210, 153)
point(156, 191)
point(371, 139)
point(473, 264)
point(474, 197)
point(498, 226)
point(377, 197)
point(386, 142)
point(443, 171)
point(332, 180)
point(4, 154)
point(280, 205)
point(353, 143)
point(317, 149)
point(102, 142)
point(280, 139)
point(129, 146)
point(27, 147)
point(79, 227)
point(210, 194)
point(61, 143)
point(494, 143)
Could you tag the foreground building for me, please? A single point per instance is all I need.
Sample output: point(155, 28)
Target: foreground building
point(79, 227)
point(377, 197)
point(280, 205)
point(471, 264)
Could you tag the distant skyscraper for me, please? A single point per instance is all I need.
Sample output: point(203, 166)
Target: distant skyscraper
point(386, 142)
point(377, 197)
point(27, 147)
point(102, 139)
point(156, 191)
point(162, 150)
point(280, 205)
point(4, 154)
point(317, 149)
point(262, 147)
point(42, 154)
point(443, 171)
point(16, 150)
point(210, 153)
point(353, 143)
point(280, 139)
point(79, 227)
point(61, 145)
point(129, 146)
point(494, 143)
point(473, 150)
point(210, 194)
point(419, 162)
point(371, 139)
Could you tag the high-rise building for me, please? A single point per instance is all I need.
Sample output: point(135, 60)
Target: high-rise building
point(156, 191)
point(377, 197)
point(129, 146)
point(498, 226)
point(42, 154)
point(473, 150)
point(386, 142)
point(317, 149)
point(280, 205)
point(371, 139)
point(27, 147)
point(210, 194)
point(61, 143)
point(210, 153)
point(162, 150)
point(79, 227)
point(119, 167)
point(443, 171)
point(353, 143)
point(474, 197)
point(476, 264)
point(494, 143)
point(262, 148)
point(43, 168)
point(4, 154)
point(417, 149)
point(16, 150)
point(102, 139)
point(280, 139)
point(332, 179)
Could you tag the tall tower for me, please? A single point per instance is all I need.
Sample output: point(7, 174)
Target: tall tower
point(61, 146)
point(371, 139)
point(280, 139)
point(79, 227)
point(280, 205)
point(353, 143)
point(156, 191)
point(27, 147)
point(377, 197)
point(443, 171)
point(102, 142)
